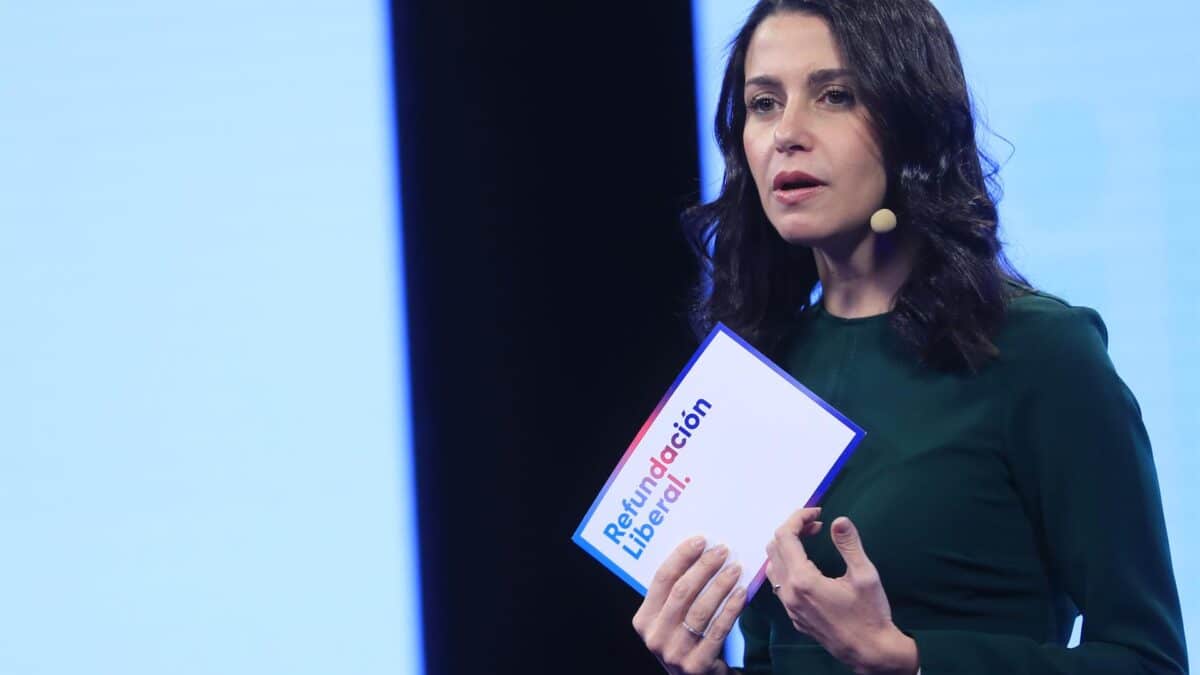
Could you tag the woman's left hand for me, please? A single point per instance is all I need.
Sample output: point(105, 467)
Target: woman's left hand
point(850, 615)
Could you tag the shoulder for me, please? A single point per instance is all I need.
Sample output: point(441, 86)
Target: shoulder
point(1039, 326)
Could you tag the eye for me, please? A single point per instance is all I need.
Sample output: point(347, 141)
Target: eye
point(762, 104)
point(837, 96)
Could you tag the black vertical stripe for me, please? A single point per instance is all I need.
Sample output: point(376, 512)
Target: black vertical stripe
point(548, 149)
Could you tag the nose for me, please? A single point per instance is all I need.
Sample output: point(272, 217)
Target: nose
point(792, 132)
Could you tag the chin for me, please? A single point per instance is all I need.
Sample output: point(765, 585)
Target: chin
point(802, 232)
point(815, 233)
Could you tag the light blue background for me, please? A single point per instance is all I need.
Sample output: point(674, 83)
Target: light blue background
point(204, 457)
point(1099, 101)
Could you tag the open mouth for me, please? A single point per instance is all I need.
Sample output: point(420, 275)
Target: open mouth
point(794, 180)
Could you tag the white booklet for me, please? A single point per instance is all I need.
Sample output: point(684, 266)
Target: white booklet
point(734, 448)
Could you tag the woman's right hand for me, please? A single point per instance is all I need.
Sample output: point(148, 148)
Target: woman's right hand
point(674, 603)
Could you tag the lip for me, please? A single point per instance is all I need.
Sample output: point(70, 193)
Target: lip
point(796, 196)
point(784, 177)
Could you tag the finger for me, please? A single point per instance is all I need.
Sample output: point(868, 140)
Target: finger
point(773, 547)
point(706, 605)
point(684, 591)
point(849, 545)
point(793, 578)
point(795, 523)
point(668, 573)
point(713, 643)
point(787, 537)
point(776, 570)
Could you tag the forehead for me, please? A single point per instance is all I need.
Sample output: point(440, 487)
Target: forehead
point(791, 42)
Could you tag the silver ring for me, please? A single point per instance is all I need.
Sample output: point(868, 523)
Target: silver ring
point(693, 631)
point(775, 588)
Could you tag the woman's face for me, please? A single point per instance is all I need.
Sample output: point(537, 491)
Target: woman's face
point(808, 141)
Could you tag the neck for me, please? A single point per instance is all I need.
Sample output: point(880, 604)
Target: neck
point(863, 277)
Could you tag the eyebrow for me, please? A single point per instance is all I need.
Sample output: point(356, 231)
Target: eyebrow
point(815, 79)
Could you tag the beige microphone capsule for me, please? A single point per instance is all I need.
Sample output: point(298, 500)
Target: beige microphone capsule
point(883, 220)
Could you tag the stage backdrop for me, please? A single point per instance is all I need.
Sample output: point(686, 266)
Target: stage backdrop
point(1092, 111)
point(204, 464)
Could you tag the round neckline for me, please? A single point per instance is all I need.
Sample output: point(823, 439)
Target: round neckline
point(824, 313)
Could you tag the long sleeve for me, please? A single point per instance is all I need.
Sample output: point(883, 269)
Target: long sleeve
point(1081, 463)
point(756, 631)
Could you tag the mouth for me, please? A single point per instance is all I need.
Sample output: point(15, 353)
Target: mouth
point(793, 187)
point(787, 181)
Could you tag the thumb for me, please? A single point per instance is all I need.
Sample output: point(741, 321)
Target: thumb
point(849, 545)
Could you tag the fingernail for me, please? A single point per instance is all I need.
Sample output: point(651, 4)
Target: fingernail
point(719, 551)
point(734, 571)
point(697, 542)
point(739, 592)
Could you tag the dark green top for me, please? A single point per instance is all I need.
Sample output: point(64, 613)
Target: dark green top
point(995, 506)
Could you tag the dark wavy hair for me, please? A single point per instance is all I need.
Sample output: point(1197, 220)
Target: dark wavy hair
point(910, 78)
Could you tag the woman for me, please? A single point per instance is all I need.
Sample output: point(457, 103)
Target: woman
point(1005, 484)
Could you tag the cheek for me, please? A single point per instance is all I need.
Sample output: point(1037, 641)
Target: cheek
point(867, 170)
point(874, 180)
point(756, 158)
point(879, 180)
